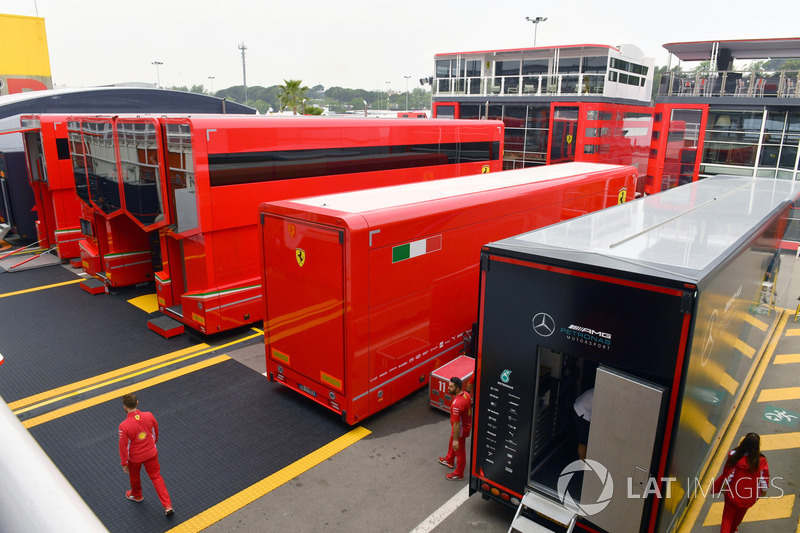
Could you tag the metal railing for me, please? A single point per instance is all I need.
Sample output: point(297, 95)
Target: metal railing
point(780, 84)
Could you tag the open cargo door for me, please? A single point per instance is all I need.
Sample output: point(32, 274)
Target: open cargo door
point(626, 416)
point(304, 319)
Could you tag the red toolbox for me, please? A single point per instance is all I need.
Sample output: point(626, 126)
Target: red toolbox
point(462, 367)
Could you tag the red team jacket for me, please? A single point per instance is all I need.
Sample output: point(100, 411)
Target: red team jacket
point(138, 435)
point(461, 410)
point(740, 485)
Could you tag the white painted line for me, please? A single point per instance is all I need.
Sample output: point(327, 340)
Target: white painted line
point(442, 512)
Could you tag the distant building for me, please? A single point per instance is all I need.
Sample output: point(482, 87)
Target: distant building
point(584, 102)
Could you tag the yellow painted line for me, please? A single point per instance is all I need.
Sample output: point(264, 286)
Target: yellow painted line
point(117, 394)
point(43, 287)
point(79, 387)
point(764, 509)
point(786, 358)
point(776, 395)
point(732, 428)
point(268, 484)
point(746, 349)
point(793, 332)
point(24, 402)
point(780, 441)
point(147, 303)
point(729, 384)
point(709, 430)
point(755, 322)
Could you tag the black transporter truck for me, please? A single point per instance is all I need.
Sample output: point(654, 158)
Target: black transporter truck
point(660, 307)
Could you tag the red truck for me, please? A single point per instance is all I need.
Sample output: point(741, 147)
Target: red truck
point(367, 292)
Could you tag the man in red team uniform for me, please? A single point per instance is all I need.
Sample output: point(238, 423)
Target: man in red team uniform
point(460, 425)
point(138, 435)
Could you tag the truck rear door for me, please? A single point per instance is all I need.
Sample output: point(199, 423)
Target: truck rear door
point(626, 416)
point(304, 320)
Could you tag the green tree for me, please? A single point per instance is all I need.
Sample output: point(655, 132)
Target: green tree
point(292, 95)
point(199, 89)
point(313, 110)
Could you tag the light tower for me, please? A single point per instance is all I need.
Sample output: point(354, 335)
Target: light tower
point(158, 74)
point(242, 47)
point(536, 22)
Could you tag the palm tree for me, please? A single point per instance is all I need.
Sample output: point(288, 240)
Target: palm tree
point(292, 95)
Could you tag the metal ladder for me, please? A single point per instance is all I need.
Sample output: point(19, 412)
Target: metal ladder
point(563, 519)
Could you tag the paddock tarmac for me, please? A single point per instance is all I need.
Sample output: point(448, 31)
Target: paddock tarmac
point(239, 453)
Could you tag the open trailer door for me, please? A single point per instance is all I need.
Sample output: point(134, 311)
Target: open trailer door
point(626, 416)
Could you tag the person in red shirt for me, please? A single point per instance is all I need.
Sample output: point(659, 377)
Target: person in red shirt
point(744, 479)
point(138, 435)
point(460, 425)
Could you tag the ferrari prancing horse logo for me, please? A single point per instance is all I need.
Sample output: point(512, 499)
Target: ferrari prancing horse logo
point(300, 255)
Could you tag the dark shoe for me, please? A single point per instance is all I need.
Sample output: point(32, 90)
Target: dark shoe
point(452, 476)
point(169, 511)
point(446, 463)
point(131, 498)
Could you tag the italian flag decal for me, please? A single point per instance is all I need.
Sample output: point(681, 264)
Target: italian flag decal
point(416, 248)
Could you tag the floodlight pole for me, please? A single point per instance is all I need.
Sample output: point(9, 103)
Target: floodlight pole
point(536, 22)
point(242, 47)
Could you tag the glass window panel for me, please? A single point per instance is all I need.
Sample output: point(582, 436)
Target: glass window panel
point(506, 68)
point(139, 162)
point(595, 64)
point(515, 139)
point(514, 116)
point(181, 176)
point(788, 157)
point(536, 141)
point(443, 68)
point(538, 116)
point(729, 154)
point(471, 111)
point(473, 68)
point(793, 122)
point(769, 156)
point(569, 65)
point(535, 66)
point(775, 121)
point(495, 112)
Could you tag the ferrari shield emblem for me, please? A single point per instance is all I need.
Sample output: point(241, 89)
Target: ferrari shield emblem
point(300, 255)
point(622, 196)
point(485, 169)
point(569, 139)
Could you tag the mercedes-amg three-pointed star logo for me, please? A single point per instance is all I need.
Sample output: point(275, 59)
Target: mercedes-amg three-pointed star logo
point(543, 324)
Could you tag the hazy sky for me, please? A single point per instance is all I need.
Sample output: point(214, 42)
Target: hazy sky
point(358, 43)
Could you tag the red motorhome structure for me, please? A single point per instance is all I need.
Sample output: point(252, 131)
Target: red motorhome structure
point(50, 175)
point(112, 248)
point(199, 181)
point(367, 292)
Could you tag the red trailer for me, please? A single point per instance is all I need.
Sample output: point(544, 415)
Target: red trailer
point(367, 292)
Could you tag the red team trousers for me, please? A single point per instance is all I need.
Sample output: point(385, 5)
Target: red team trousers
point(460, 456)
point(153, 469)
